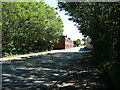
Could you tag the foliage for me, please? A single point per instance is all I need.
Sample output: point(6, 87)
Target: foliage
point(101, 22)
point(29, 27)
point(77, 43)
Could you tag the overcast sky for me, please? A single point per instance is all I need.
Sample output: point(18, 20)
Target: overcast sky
point(69, 29)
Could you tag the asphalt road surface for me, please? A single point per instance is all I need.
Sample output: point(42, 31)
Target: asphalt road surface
point(68, 69)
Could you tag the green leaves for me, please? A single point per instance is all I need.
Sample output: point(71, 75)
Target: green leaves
point(29, 27)
point(101, 22)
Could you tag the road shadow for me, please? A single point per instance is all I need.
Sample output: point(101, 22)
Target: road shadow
point(54, 71)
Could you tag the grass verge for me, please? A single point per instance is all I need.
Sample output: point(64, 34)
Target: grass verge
point(12, 55)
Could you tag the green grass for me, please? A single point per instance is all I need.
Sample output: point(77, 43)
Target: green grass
point(12, 55)
point(79, 45)
point(82, 45)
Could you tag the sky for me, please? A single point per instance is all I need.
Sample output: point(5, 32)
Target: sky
point(69, 29)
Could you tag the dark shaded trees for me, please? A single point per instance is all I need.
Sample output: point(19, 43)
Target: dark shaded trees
point(101, 22)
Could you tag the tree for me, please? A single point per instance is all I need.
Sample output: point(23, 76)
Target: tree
point(101, 22)
point(77, 42)
point(29, 27)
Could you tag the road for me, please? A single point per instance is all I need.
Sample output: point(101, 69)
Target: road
point(19, 57)
point(61, 70)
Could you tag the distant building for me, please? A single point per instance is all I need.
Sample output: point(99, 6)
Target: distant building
point(63, 43)
point(87, 43)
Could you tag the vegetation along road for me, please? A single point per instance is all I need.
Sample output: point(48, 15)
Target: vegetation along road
point(63, 70)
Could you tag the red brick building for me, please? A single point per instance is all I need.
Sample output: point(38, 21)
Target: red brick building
point(63, 43)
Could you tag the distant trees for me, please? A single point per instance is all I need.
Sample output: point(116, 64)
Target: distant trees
point(77, 43)
point(101, 22)
point(29, 27)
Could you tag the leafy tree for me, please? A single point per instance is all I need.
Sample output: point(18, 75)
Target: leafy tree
point(29, 27)
point(77, 42)
point(101, 22)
